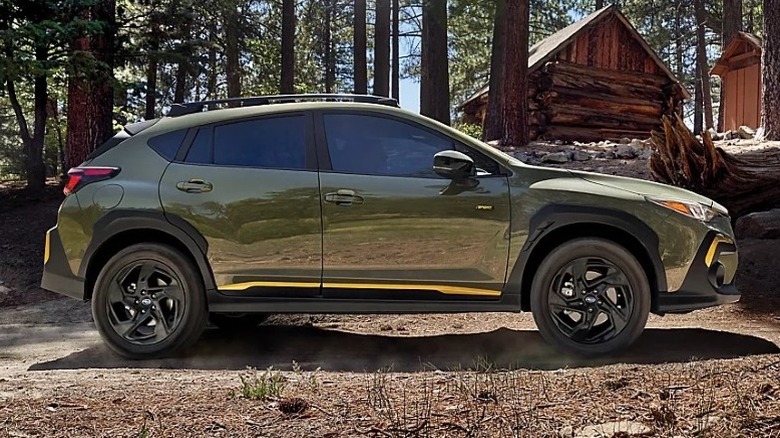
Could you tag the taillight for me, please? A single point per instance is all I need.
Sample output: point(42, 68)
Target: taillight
point(81, 176)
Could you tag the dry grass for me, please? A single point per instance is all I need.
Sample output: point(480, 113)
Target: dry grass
point(711, 398)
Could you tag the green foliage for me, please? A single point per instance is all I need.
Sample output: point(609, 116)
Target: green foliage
point(470, 129)
point(270, 384)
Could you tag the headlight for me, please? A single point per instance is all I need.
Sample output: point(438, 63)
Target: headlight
point(694, 210)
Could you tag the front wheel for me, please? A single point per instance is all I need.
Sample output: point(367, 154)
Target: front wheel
point(590, 297)
point(148, 302)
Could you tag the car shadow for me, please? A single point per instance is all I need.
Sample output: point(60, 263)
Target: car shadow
point(334, 350)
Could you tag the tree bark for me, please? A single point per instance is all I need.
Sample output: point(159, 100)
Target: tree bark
point(698, 108)
point(361, 64)
point(732, 24)
point(599, 4)
point(211, 83)
point(288, 47)
point(701, 56)
point(90, 91)
point(435, 77)
point(232, 50)
point(515, 107)
point(330, 57)
point(493, 122)
point(771, 70)
point(743, 185)
point(395, 74)
point(151, 70)
point(382, 49)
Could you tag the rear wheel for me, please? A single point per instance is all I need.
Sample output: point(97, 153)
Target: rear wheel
point(590, 297)
point(148, 302)
point(237, 321)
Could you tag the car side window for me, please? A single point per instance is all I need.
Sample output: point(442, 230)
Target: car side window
point(168, 144)
point(273, 142)
point(375, 145)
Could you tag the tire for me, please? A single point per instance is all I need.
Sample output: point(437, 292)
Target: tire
point(603, 314)
point(149, 302)
point(237, 321)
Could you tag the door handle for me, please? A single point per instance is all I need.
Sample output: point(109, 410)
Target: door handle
point(343, 197)
point(195, 185)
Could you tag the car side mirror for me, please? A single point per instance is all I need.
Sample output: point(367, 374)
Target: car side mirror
point(454, 165)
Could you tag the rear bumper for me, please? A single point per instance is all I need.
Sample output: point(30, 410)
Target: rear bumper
point(57, 276)
point(710, 279)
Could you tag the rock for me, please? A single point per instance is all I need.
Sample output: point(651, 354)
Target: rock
point(558, 142)
point(761, 225)
point(715, 134)
point(646, 154)
point(580, 156)
point(746, 132)
point(729, 135)
point(617, 428)
point(4, 290)
point(624, 151)
point(625, 140)
point(639, 144)
point(522, 156)
point(556, 157)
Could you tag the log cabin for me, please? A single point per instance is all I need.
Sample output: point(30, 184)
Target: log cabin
point(594, 80)
point(739, 68)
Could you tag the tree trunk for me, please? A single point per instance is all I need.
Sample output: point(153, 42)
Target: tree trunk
point(732, 24)
point(90, 92)
point(599, 4)
point(382, 49)
point(395, 74)
point(211, 84)
point(361, 64)
point(743, 185)
point(181, 82)
point(435, 76)
point(493, 122)
point(151, 70)
point(701, 56)
point(771, 70)
point(232, 67)
point(515, 106)
point(288, 47)
point(330, 68)
point(698, 108)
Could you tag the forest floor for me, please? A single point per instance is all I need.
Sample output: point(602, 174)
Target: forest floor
point(714, 372)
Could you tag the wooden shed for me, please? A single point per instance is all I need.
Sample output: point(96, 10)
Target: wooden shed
point(596, 79)
point(740, 71)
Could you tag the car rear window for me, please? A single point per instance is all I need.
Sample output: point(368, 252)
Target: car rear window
point(168, 144)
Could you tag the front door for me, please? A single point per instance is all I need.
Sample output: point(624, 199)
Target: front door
point(392, 228)
point(250, 187)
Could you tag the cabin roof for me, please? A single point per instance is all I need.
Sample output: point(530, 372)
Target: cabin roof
point(753, 43)
point(548, 48)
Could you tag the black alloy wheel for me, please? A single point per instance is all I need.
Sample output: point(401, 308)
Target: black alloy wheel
point(590, 297)
point(148, 301)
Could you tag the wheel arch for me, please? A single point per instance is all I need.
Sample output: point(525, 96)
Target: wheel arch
point(120, 229)
point(556, 224)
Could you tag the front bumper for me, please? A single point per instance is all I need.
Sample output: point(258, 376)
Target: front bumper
point(57, 276)
point(709, 281)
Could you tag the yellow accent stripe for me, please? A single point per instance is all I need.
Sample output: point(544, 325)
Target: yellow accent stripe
point(46, 251)
point(450, 290)
point(713, 247)
point(247, 285)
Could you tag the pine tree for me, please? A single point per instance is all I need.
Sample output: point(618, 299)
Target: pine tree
point(434, 66)
point(771, 70)
point(515, 106)
point(382, 49)
point(361, 69)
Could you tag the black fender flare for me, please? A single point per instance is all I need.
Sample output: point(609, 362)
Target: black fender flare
point(556, 217)
point(122, 221)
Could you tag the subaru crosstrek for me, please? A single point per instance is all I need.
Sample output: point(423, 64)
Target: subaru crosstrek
point(348, 204)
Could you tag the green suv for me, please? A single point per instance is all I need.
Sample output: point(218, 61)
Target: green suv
point(348, 204)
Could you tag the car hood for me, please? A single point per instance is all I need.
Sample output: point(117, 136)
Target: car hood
point(648, 188)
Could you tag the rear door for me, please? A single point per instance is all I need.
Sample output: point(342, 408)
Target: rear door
point(393, 229)
point(251, 188)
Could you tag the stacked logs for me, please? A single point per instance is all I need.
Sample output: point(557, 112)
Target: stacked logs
point(571, 102)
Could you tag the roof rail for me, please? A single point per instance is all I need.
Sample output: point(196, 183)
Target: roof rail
point(180, 109)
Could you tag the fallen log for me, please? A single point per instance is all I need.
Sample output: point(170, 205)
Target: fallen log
point(743, 185)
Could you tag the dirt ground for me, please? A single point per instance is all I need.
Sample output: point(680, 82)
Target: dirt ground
point(714, 372)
